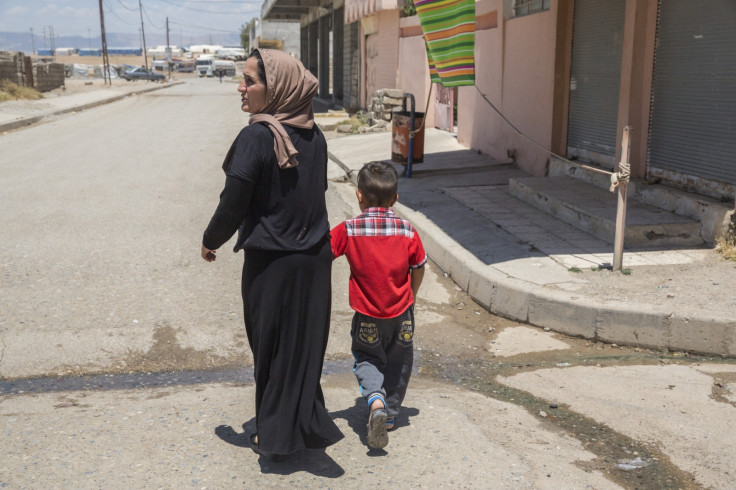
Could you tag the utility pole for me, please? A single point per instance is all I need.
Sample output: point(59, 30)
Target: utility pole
point(168, 48)
point(44, 37)
point(52, 38)
point(103, 37)
point(89, 36)
point(143, 33)
point(33, 43)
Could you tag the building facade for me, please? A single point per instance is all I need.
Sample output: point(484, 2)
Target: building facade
point(571, 74)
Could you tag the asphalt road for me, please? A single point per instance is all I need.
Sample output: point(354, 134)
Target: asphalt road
point(124, 361)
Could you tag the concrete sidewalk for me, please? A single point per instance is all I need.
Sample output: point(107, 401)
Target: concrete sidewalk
point(521, 263)
point(16, 114)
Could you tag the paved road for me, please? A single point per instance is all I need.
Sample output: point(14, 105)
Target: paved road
point(102, 217)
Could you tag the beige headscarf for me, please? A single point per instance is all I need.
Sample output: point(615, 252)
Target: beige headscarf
point(290, 89)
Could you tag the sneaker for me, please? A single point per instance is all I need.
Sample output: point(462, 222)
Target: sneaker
point(377, 435)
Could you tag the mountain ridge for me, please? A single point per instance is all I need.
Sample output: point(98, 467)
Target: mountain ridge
point(21, 41)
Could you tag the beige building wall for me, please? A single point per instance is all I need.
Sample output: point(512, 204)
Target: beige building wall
point(388, 46)
point(379, 47)
point(413, 72)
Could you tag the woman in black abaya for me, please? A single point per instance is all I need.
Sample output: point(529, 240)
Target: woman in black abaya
point(276, 178)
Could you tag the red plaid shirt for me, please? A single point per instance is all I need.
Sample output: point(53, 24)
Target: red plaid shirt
point(381, 248)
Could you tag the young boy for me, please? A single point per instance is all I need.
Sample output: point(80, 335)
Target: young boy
point(386, 260)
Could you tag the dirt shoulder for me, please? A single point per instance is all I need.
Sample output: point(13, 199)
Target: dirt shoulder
point(705, 284)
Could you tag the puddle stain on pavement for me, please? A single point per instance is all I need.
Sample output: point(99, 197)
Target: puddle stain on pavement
point(610, 447)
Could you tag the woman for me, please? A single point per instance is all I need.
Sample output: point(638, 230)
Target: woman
point(276, 177)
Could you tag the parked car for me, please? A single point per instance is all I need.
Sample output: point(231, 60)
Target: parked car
point(143, 74)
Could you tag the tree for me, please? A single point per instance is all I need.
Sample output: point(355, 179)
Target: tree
point(245, 31)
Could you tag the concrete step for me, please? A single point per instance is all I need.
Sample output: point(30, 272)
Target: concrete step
point(593, 210)
point(714, 215)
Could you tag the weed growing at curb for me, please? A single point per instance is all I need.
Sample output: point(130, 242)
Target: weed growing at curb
point(575, 269)
point(626, 271)
point(727, 248)
point(12, 91)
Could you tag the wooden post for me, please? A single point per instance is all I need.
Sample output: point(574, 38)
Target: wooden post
point(618, 242)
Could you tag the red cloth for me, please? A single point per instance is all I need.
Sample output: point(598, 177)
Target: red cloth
point(381, 248)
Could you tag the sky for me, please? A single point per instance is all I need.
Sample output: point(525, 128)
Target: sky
point(82, 17)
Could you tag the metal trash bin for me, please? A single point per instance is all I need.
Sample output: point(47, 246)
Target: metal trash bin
point(400, 137)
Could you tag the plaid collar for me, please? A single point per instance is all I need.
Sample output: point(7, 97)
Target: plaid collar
point(377, 212)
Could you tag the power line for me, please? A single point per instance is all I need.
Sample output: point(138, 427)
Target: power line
point(149, 20)
point(200, 27)
point(116, 15)
point(254, 2)
point(126, 7)
point(214, 2)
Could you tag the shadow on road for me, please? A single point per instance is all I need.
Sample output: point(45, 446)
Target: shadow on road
point(314, 461)
point(357, 416)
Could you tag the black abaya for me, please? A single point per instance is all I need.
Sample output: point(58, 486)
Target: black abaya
point(286, 301)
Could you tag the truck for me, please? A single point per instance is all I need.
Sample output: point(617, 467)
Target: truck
point(205, 65)
point(226, 67)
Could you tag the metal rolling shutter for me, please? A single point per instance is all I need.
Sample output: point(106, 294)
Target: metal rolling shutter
point(595, 77)
point(692, 127)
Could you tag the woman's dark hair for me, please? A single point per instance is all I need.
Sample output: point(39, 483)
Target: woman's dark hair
point(261, 67)
point(378, 182)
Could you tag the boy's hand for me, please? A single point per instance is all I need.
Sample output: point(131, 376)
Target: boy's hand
point(416, 280)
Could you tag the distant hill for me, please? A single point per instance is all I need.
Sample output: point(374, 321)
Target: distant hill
point(21, 41)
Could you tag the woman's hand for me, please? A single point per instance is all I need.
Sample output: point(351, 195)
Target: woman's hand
point(208, 255)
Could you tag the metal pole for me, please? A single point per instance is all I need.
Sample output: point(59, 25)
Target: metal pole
point(33, 42)
point(411, 134)
point(168, 48)
point(623, 174)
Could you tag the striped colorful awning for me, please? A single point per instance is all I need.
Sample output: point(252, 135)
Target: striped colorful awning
point(449, 33)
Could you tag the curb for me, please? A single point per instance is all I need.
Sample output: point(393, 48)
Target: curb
point(27, 121)
point(632, 324)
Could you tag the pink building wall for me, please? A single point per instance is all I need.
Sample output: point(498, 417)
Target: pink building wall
point(515, 68)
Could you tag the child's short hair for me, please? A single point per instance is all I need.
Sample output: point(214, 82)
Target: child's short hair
point(378, 182)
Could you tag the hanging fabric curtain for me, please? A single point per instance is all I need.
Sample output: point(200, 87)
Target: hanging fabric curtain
point(449, 33)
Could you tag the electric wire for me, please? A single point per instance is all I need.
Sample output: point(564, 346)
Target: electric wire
point(538, 145)
point(126, 7)
point(171, 21)
point(256, 3)
point(110, 9)
point(161, 28)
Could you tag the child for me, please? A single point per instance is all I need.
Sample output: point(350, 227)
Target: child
point(386, 260)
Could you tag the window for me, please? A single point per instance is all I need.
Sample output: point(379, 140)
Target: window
point(520, 8)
